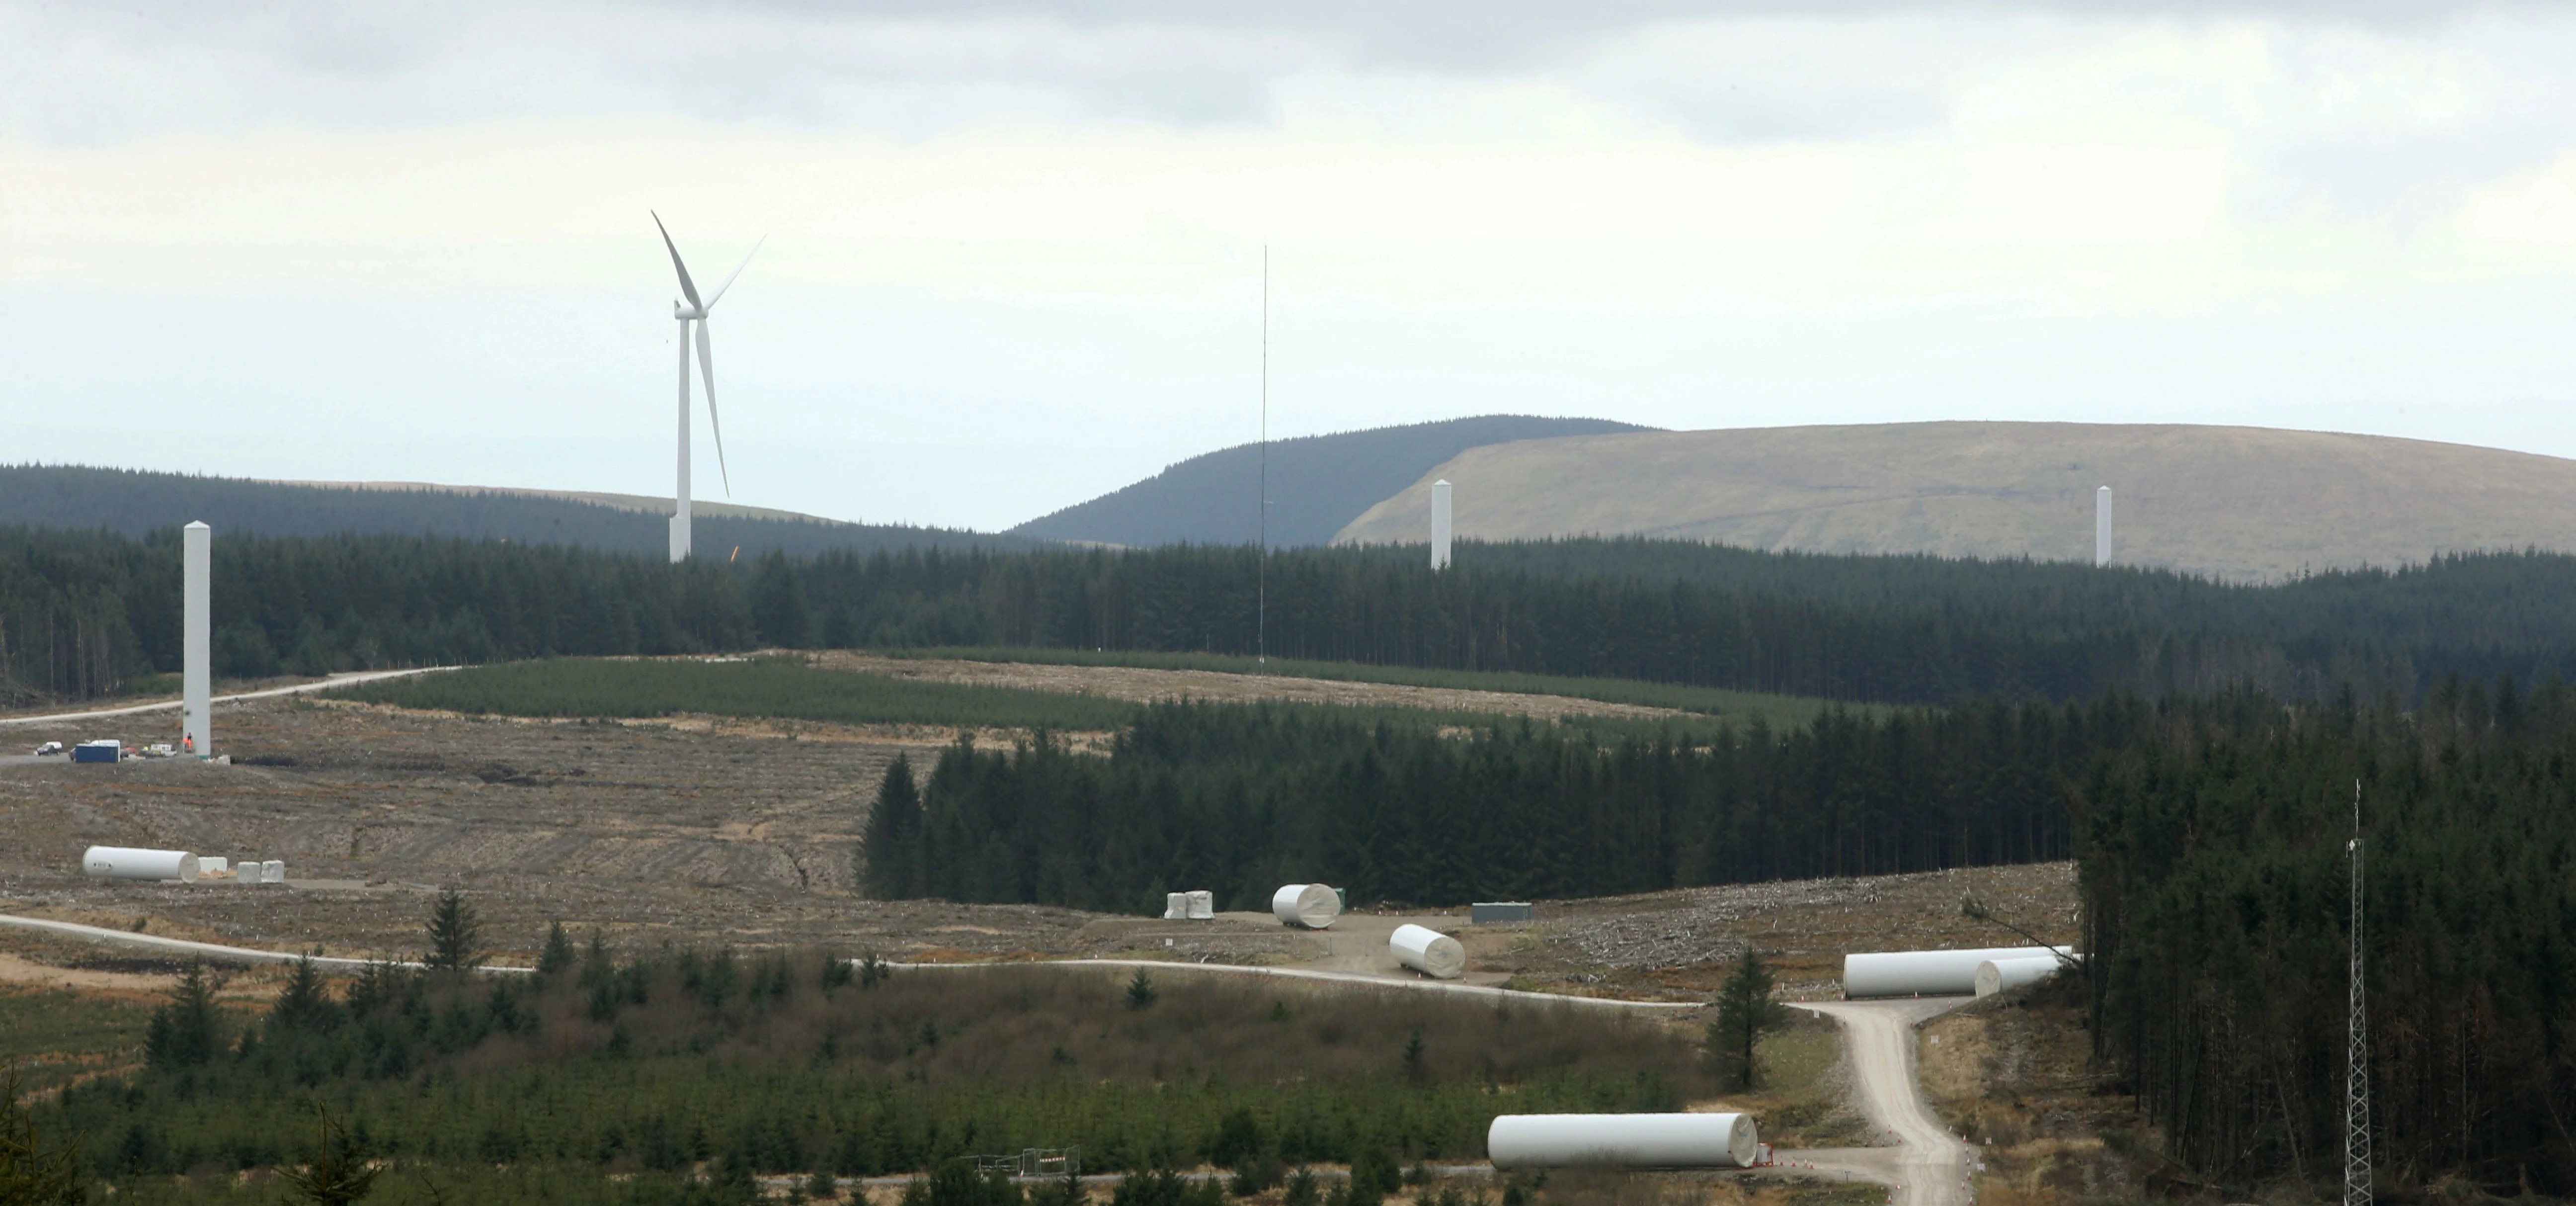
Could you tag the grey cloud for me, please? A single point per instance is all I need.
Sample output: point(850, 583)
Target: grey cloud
point(1749, 70)
point(1518, 33)
point(2410, 177)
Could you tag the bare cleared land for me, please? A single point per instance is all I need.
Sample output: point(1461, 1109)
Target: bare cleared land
point(710, 830)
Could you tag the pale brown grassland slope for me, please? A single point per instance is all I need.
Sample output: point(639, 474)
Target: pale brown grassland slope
point(2239, 503)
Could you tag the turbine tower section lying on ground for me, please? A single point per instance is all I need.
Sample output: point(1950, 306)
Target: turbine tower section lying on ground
point(1306, 906)
point(1428, 951)
point(1929, 973)
point(1623, 1141)
point(127, 862)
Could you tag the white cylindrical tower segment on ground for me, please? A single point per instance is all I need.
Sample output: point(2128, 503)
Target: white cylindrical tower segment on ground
point(1440, 524)
point(272, 872)
point(196, 640)
point(1623, 1141)
point(1312, 906)
point(1428, 951)
point(1996, 975)
point(1925, 973)
point(1176, 906)
point(2102, 526)
point(127, 862)
point(1199, 905)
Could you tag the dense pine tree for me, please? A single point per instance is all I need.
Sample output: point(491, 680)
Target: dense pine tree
point(890, 852)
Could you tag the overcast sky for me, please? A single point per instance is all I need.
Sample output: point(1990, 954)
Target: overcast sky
point(1015, 250)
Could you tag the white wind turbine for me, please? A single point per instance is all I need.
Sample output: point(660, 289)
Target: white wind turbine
point(695, 311)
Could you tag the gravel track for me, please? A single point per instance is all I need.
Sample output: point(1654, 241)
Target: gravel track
point(1929, 1166)
point(170, 705)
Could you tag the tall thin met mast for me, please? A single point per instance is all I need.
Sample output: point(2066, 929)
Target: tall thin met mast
point(1261, 566)
point(2356, 1090)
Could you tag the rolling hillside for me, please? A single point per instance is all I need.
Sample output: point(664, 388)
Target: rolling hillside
point(139, 503)
point(1318, 484)
point(2238, 503)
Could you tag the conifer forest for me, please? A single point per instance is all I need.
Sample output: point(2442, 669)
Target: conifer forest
point(82, 611)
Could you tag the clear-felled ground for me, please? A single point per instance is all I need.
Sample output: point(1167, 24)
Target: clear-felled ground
point(692, 830)
point(745, 832)
point(1676, 943)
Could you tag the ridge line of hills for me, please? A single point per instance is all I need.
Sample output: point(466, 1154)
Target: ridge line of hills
point(2236, 504)
point(1318, 484)
point(141, 502)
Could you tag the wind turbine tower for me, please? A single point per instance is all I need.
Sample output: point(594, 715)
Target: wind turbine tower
point(695, 311)
point(196, 636)
point(1440, 524)
point(2102, 527)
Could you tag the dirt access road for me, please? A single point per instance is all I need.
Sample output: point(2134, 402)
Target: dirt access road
point(1929, 1166)
point(350, 679)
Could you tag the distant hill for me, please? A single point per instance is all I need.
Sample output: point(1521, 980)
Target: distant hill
point(139, 503)
point(700, 508)
point(2237, 503)
point(1318, 484)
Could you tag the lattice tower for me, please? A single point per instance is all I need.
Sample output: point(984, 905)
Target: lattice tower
point(2356, 1090)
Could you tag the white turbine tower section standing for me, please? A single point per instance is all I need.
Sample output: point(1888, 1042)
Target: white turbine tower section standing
point(695, 311)
point(196, 637)
point(1440, 524)
point(2102, 526)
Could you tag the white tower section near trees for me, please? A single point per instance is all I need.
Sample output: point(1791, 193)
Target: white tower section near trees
point(196, 638)
point(1440, 524)
point(2102, 526)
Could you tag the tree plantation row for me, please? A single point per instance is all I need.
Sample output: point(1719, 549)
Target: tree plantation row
point(1240, 799)
point(82, 611)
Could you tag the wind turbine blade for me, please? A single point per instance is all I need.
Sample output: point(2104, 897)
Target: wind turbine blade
point(687, 286)
point(707, 366)
point(718, 295)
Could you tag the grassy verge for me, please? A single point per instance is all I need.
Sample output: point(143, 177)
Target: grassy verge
point(2014, 1075)
point(52, 1036)
point(767, 687)
point(1805, 1096)
point(790, 688)
point(1709, 701)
